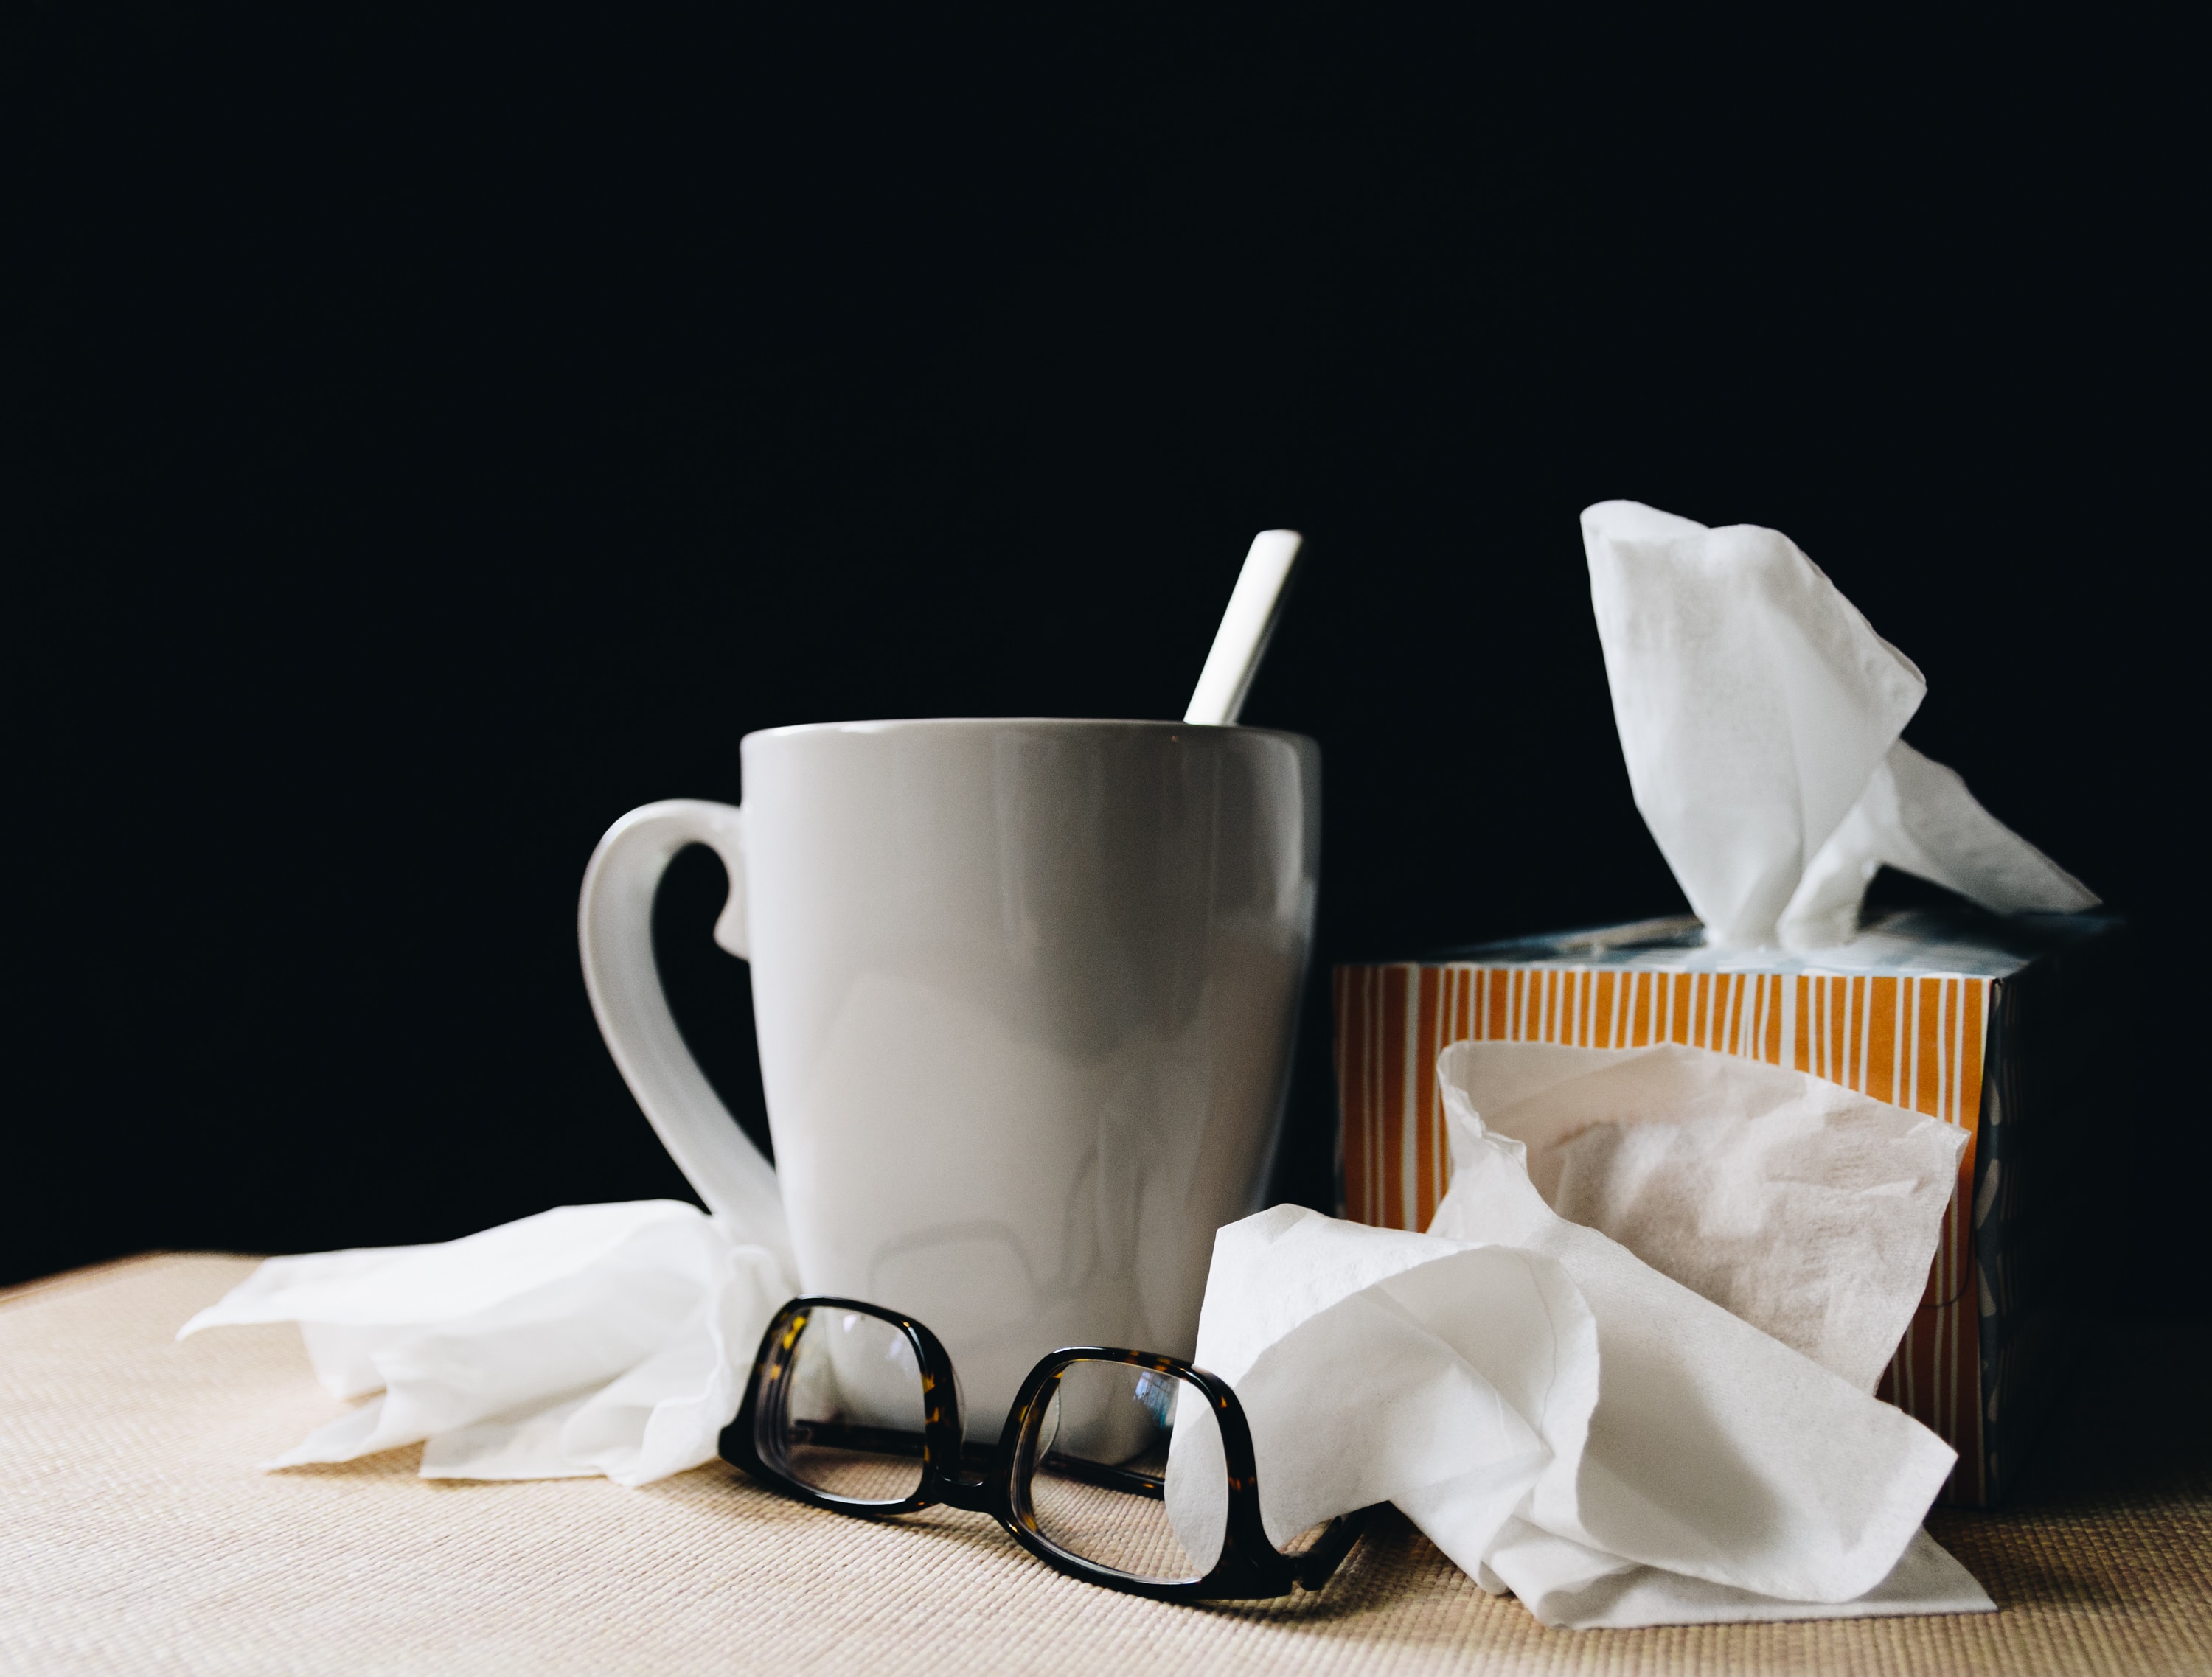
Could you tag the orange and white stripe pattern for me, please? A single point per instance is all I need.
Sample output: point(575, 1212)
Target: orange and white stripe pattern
point(1915, 1040)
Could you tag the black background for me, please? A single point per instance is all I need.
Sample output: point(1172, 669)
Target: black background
point(428, 441)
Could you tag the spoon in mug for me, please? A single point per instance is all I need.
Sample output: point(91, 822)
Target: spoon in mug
point(1242, 640)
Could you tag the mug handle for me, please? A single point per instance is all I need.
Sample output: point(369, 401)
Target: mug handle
point(614, 933)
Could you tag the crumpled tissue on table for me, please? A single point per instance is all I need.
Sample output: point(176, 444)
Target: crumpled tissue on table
point(1563, 1419)
point(1759, 715)
point(586, 1339)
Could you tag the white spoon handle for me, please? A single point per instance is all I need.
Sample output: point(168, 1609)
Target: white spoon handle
point(1242, 639)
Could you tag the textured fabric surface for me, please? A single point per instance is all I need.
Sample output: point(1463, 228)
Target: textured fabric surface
point(136, 1536)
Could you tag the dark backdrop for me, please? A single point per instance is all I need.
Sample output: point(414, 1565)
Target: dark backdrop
point(427, 441)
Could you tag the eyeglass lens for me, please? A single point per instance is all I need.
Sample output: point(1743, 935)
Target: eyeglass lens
point(1125, 1470)
point(850, 1421)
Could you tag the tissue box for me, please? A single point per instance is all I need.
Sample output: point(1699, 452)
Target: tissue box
point(2010, 1028)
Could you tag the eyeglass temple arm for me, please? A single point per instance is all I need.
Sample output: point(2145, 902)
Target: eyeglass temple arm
point(1316, 1565)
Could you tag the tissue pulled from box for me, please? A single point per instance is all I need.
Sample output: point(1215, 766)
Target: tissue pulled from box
point(1564, 1420)
point(586, 1339)
point(1759, 716)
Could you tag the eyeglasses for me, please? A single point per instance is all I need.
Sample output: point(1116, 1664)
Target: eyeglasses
point(1127, 1469)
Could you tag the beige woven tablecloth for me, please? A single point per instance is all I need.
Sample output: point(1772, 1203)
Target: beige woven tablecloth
point(137, 1537)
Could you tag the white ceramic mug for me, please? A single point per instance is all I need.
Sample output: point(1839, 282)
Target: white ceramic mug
point(1025, 992)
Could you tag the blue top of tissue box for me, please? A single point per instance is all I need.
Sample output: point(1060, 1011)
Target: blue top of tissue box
point(1963, 941)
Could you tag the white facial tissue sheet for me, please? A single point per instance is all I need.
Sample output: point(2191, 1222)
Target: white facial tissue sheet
point(1759, 716)
point(1810, 1211)
point(586, 1339)
point(1565, 1421)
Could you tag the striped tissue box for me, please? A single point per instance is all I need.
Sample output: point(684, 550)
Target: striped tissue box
point(1997, 1026)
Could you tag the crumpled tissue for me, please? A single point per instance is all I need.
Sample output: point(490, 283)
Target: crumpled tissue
point(1808, 1210)
point(586, 1339)
point(1564, 1420)
point(1759, 715)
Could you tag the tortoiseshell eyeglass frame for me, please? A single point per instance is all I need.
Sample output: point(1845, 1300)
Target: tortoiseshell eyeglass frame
point(996, 1482)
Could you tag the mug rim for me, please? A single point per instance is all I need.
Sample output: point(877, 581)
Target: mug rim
point(897, 724)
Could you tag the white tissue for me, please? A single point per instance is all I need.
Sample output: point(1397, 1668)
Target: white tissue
point(1917, 817)
point(1562, 1419)
point(1758, 714)
point(611, 1339)
point(1809, 1211)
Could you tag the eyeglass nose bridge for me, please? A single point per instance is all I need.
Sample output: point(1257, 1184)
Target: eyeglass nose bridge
point(969, 1481)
